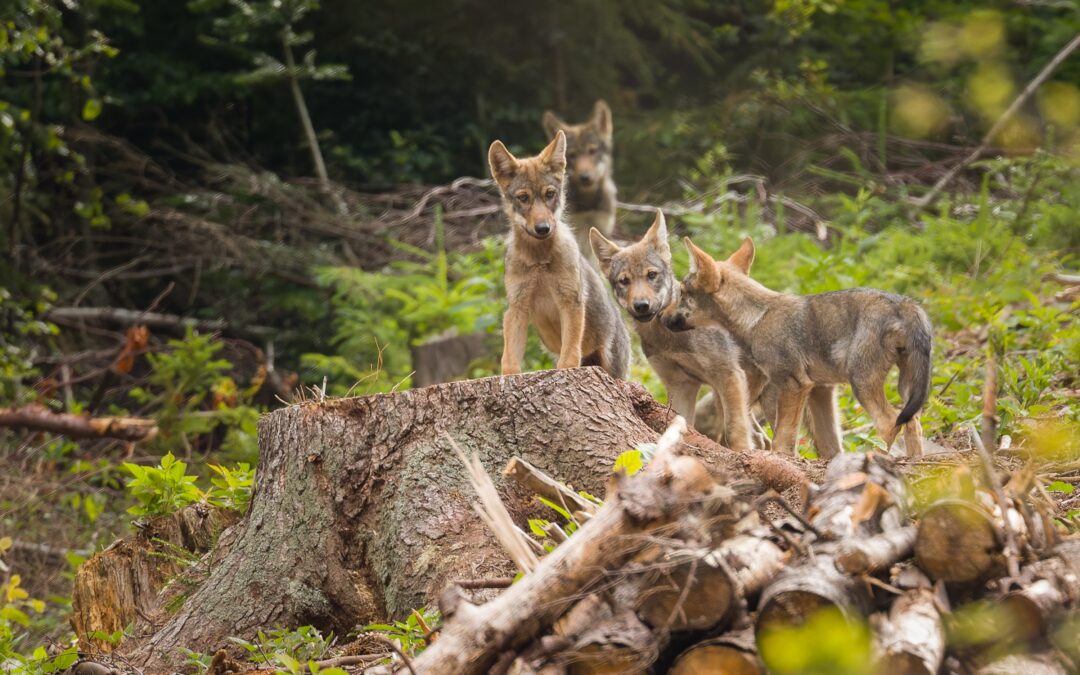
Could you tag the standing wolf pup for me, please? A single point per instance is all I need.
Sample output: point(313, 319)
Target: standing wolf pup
point(548, 283)
point(798, 341)
point(591, 190)
point(644, 284)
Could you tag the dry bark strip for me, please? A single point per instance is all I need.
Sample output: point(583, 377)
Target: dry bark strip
point(36, 417)
point(876, 553)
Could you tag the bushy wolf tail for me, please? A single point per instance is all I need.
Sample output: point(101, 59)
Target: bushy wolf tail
point(914, 363)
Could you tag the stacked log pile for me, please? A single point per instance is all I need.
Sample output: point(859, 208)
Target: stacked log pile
point(676, 573)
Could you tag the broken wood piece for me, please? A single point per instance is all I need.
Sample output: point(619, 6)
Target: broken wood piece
point(873, 554)
point(911, 640)
point(686, 590)
point(537, 482)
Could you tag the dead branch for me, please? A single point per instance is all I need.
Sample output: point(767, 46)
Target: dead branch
point(36, 417)
point(537, 482)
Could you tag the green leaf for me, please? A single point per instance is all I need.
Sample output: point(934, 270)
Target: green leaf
point(629, 462)
point(555, 507)
point(91, 109)
point(1061, 486)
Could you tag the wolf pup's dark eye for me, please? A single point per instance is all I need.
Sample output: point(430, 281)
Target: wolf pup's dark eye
point(624, 281)
point(550, 194)
point(652, 274)
point(523, 198)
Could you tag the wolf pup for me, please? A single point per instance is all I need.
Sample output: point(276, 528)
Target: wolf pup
point(644, 284)
point(854, 336)
point(548, 283)
point(590, 186)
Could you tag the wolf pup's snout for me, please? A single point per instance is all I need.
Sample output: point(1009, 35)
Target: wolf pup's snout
point(542, 229)
point(675, 321)
point(641, 306)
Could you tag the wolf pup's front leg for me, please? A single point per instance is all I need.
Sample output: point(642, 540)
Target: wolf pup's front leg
point(573, 332)
point(515, 334)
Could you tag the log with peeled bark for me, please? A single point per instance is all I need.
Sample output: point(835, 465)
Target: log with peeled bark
point(911, 640)
point(361, 511)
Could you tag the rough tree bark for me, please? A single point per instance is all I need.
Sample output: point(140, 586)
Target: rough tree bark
point(362, 511)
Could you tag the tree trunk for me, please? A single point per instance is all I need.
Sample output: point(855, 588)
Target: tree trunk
point(911, 641)
point(308, 127)
point(361, 511)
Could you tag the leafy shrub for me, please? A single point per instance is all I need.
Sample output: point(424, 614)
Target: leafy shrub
point(412, 633)
point(232, 487)
point(162, 489)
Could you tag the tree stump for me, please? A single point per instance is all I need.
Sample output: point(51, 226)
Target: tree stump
point(362, 511)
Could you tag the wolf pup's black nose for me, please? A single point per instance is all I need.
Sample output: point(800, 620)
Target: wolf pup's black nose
point(543, 229)
point(585, 178)
point(641, 306)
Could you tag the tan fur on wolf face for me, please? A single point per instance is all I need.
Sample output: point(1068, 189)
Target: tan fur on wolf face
point(591, 186)
point(799, 342)
point(548, 283)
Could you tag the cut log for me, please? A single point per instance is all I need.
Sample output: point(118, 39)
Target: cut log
point(687, 590)
point(911, 641)
point(36, 417)
point(733, 654)
point(116, 586)
point(957, 542)
point(360, 511)
point(873, 554)
point(1049, 588)
point(618, 645)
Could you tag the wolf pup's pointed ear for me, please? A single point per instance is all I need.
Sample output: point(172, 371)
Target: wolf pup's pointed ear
point(702, 264)
point(503, 164)
point(552, 123)
point(744, 257)
point(554, 155)
point(604, 249)
point(602, 118)
point(657, 235)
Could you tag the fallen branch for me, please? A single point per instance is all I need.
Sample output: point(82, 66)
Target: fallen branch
point(119, 315)
point(36, 417)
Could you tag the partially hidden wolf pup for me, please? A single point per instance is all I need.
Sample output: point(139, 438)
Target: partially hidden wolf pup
point(644, 284)
point(591, 188)
point(548, 283)
point(800, 342)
